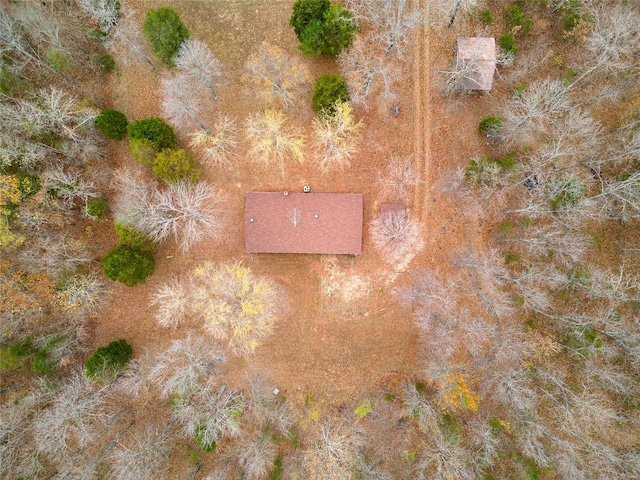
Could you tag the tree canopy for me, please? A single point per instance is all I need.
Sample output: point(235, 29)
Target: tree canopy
point(165, 33)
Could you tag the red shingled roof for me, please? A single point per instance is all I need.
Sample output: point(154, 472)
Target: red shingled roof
point(303, 222)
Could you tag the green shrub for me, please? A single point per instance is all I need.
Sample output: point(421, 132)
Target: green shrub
point(508, 162)
point(165, 33)
point(511, 257)
point(450, 428)
point(10, 83)
point(58, 60)
point(43, 358)
point(207, 447)
point(514, 15)
point(312, 38)
point(584, 340)
point(112, 123)
point(96, 34)
point(508, 43)
point(304, 11)
point(483, 171)
point(143, 151)
point(490, 126)
point(505, 227)
point(579, 278)
point(321, 27)
point(128, 265)
point(278, 471)
point(365, 407)
point(96, 208)
point(328, 90)
point(331, 34)
point(154, 130)
point(104, 62)
point(28, 185)
point(106, 362)
point(43, 363)
point(175, 166)
point(564, 193)
point(16, 354)
point(570, 20)
point(571, 14)
point(487, 17)
point(133, 238)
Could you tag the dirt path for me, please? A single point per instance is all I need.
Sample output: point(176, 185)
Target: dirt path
point(422, 102)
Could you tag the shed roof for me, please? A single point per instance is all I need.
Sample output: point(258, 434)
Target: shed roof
point(481, 51)
point(392, 208)
point(329, 223)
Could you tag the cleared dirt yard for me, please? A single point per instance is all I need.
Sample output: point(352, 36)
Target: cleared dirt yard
point(324, 343)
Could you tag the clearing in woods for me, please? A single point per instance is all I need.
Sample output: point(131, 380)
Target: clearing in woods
point(340, 333)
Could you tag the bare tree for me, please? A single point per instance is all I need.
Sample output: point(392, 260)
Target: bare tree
point(575, 139)
point(530, 112)
point(210, 414)
point(610, 42)
point(416, 404)
point(267, 409)
point(57, 112)
point(561, 242)
point(367, 73)
point(196, 61)
point(16, 442)
point(620, 198)
point(142, 454)
point(234, 305)
point(126, 41)
point(446, 459)
point(446, 11)
point(68, 185)
point(182, 368)
point(397, 236)
point(51, 113)
point(74, 418)
point(182, 104)
point(335, 450)
point(83, 294)
point(337, 135)
point(464, 75)
point(271, 140)
point(173, 302)
point(392, 22)
point(216, 147)
point(398, 179)
point(257, 454)
point(188, 213)
point(104, 12)
point(55, 254)
point(277, 75)
point(31, 36)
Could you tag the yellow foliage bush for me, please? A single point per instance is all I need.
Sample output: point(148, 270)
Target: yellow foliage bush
point(456, 394)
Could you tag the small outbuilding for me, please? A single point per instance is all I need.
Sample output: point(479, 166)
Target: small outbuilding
point(476, 60)
point(282, 222)
point(393, 209)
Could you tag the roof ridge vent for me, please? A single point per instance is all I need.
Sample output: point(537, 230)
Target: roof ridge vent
point(294, 216)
